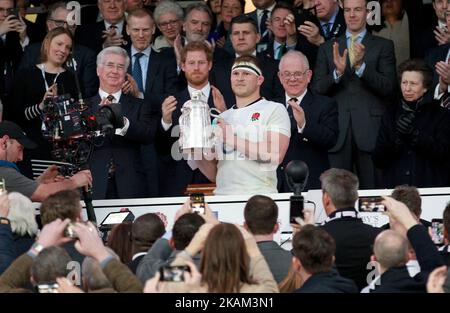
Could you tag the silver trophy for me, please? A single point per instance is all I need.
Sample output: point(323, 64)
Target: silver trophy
point(196, 132)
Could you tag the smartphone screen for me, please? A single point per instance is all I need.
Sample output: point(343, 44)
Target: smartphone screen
point(296, 206)
point(437, 231)
point(173, 273)
point(198, 202)
point(371, 204)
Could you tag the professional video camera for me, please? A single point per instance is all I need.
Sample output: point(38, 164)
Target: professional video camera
point(73, 132)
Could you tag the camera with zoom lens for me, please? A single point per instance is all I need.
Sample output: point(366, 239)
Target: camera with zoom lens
point(71, 127)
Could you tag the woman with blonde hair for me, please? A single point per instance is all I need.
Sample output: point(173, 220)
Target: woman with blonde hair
point(35, 85)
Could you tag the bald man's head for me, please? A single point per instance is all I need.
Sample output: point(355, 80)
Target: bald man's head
point(391, 249)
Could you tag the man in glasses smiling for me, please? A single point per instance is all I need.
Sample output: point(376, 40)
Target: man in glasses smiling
point(314, 120)
point(84, 57)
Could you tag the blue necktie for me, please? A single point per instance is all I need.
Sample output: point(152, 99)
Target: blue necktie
point(137, 71)
point(327, 30)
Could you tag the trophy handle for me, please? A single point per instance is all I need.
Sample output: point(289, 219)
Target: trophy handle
point(215, 114)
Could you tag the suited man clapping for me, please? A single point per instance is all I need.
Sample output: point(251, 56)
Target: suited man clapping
point(358, 71)
point(314, 120)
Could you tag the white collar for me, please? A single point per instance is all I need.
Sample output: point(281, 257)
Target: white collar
point(118, 25)
point(104, 94)
point(260, 12)
point(138, 255)
point(146, 51)
point(299, 98)
point(205, 91)
point(253, 54)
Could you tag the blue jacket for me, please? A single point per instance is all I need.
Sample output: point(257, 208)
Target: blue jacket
point(6, 247)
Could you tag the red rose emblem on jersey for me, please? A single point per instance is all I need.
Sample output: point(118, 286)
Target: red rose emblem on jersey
point(255, 116)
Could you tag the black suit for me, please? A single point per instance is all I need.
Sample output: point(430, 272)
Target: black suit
point(124, 150)
point(354, 241)
point(270, 89)
point(328, 282)
point(10, 54)
point(311, 146)
point(91, 36)
point(161, 77)
point(86, 67)
point(434, 56)
point(176, 174)
point(161, 81)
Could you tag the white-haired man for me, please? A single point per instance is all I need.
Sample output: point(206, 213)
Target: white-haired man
point(116, 165)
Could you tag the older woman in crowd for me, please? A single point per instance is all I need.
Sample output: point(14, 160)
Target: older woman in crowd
point(413, 144)
point(23, 222)
point(168, 16)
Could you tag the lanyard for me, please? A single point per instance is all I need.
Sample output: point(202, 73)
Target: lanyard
point(43, 76)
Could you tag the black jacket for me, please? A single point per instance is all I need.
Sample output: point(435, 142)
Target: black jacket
point(328, 282)
point(90, 35)
point(311, 146)
point(354, 243)
point(397, 279)
point(420, 159)
point(86, 67)
point(124, 150)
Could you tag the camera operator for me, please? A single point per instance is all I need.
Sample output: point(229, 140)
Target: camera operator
point(12, 142)
point(116, 164)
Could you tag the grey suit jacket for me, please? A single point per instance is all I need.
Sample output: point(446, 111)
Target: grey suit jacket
point(278, 259)
point(361, 100)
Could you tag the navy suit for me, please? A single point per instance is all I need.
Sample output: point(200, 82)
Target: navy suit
point(176, 174)
point(124, 150)
point(319, 135)
point(91, 36)
point(161, 81)
point(86, 67)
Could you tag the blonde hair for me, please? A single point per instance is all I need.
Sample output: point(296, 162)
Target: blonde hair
point(21, 214)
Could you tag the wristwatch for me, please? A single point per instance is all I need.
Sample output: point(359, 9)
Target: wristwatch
point(35, 249)
point(4, 221)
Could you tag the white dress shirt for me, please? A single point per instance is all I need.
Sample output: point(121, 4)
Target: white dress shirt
point(103, 95)
point(300, 99)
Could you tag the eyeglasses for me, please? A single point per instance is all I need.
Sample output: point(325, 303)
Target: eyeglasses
point(112, 66)
point(166, 24)
point(296, 75)
point(61, 23)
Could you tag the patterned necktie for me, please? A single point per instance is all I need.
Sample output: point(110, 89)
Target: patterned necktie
point(111, 98)
point(327, 30)
point(351, 49)
point(137, 71)
point(446, 100)
point(262, 26)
